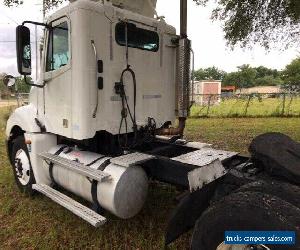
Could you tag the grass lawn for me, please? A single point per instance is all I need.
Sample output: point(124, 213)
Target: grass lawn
point(38, 223)
point(257, 108)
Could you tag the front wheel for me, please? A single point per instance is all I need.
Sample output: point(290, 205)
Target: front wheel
point(21, 165)
point(245, 211)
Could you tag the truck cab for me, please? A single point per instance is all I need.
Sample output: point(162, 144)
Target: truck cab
point(82, 61)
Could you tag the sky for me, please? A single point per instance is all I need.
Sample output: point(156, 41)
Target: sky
point(207, 38)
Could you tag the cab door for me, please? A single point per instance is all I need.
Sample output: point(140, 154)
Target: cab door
point(58, 78)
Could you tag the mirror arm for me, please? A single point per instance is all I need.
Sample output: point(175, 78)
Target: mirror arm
point(36, 23)
point(34, 85)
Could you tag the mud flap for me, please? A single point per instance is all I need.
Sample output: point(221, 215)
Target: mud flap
point(189, 209)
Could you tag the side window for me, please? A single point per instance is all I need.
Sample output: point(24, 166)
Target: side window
point(58, 54)
point(136, 37)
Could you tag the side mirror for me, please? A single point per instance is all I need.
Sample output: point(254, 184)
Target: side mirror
point(9, 80)
point(23, 50)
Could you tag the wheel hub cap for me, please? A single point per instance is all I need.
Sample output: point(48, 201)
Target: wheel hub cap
point(224, 246)
point(22, 166)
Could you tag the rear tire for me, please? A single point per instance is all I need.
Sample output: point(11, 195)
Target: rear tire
point(283, 190)
point(245, 211)
point(21, 165)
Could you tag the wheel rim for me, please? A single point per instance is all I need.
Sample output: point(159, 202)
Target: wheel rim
point(224, 246)
point(22, 167)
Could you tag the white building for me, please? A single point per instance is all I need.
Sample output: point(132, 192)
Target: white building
point(207, 91)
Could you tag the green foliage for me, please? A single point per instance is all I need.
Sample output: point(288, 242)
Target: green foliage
point(209, 73)
point(291, 75)
point(268, 80)
point(243, 78)
point(247, 76)
point(245, 21)
point(268, 23)
point(20, 83)
point(231, 79)
point(22, 86)
point(3, 89)
point(2, 86)
point(48, 3)
point(263, 71)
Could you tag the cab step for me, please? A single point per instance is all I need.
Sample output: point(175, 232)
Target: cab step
point(204, 156)
point(131, 159)
point(75, 207)
point(77, 167)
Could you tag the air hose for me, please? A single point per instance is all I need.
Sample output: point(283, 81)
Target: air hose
point(120, 89)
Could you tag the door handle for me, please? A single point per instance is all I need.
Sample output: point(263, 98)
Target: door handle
point(96, 65)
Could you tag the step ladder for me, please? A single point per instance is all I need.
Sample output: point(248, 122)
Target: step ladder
point(77, 167)
point(75, 207)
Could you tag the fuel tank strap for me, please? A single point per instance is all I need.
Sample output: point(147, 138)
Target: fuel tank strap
point(97, 208)
point(94, 161)
point(53, 182)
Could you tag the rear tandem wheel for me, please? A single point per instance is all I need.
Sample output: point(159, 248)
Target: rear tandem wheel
point(245, 211)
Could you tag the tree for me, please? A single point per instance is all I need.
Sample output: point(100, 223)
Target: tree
point(269, 23)
point(47, 3)
point(291, 76)
point(232, 79)
point(263, 71)
point(20, 83)
point(243, 78)
point(247, 76)
point(22, 86)
point(209, 73)
point(267, 77)
point(2, 86)
point(245, 22)
point(268, 80)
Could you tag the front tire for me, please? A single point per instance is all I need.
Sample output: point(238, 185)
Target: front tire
point(21, 165)
point(245, 211)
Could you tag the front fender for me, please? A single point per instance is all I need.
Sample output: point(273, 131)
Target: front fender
point(23, 117)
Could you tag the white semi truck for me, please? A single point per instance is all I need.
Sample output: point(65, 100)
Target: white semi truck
point(114, 77)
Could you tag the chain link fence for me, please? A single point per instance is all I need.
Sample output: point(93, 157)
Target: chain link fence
point(15, 99)
point(246, 105)
point(212, 105)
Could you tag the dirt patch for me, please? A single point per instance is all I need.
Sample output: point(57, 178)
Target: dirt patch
point(7, 103)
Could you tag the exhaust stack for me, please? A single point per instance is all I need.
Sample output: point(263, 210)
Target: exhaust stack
point(182, 75)
point(183, 64)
